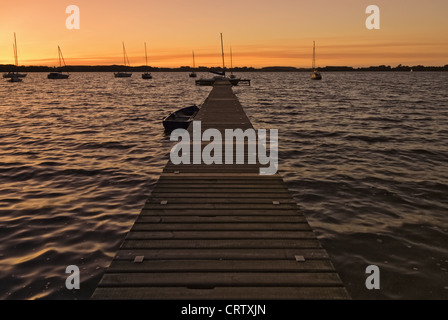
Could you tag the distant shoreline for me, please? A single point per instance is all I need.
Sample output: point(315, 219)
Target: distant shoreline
point(117, 68)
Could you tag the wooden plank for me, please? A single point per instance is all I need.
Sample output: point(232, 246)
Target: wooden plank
point(138, 226)
point(205, 201)
point(224, 254)
point(225, 243)
point(126, 266)
point(217, 279)
point(215, 219)
point(223, 178)
point(213, 196)
point(213, 212)
point(218, 235)
point(247, 185)
point(220, 205)
point(213, 190)
point(221, 184)
point(223, 293)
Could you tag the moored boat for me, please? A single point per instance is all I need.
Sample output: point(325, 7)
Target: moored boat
point(14, 76)
point(11, 74)
point(59, 74)
point(316, 74)
point(193, 74)
point(180, 119)
point(14, 79)
point(122, 74)
point(146, 75)
point(222, 75)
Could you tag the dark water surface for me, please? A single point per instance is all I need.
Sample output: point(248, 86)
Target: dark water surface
point(365, 155)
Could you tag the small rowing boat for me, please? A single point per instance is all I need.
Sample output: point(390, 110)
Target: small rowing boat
point(180, 119)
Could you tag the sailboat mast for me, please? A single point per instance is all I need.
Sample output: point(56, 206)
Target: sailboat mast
point(231, 61)
point(16, 59)
point(124, 55)
point(146, 56)
point(15, 56)
point(194, 65)
point(59, 56)
point(222, 51)
point(314, 55)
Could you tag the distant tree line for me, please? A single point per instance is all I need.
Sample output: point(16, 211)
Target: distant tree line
point(117, 68)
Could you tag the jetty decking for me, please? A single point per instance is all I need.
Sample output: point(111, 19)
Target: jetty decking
point(220, 232)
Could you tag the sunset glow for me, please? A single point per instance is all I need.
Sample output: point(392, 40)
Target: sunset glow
point(261, 33)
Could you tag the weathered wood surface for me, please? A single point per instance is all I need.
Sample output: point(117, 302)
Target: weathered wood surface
point(220, 232)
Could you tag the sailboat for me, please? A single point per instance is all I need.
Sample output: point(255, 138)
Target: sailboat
point(232, 76)
point(146, 75)
point(193, 74)
point(15, 76)
point(221, 75)
point(59, 74)
point(126, 63)
point(315, 75)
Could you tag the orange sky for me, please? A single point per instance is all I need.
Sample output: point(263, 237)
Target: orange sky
point(261, 33)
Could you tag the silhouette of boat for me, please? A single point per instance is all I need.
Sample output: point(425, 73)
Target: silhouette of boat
point(14, 79)
point(15, 76)
point(180, 119)
point(146, 75)
point(316, 74)
point(221, 75)
point(126, 63)
point(193, 74)
point(59, 74)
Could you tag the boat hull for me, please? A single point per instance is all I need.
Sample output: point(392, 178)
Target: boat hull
point(233, 81)
point(16, 75)
point(180, 119)
point(57, 75)
point(316, 76)
point(122, 75)
point(146, 76)
point(193, 75)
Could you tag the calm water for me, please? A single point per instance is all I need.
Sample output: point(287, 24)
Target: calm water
point(365, 155)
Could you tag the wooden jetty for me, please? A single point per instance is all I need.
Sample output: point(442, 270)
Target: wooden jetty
point(220, 232)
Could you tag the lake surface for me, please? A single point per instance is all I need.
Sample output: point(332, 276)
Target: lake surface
point(364, 154)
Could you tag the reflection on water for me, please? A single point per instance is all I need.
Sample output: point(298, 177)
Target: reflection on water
point(365, 155)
